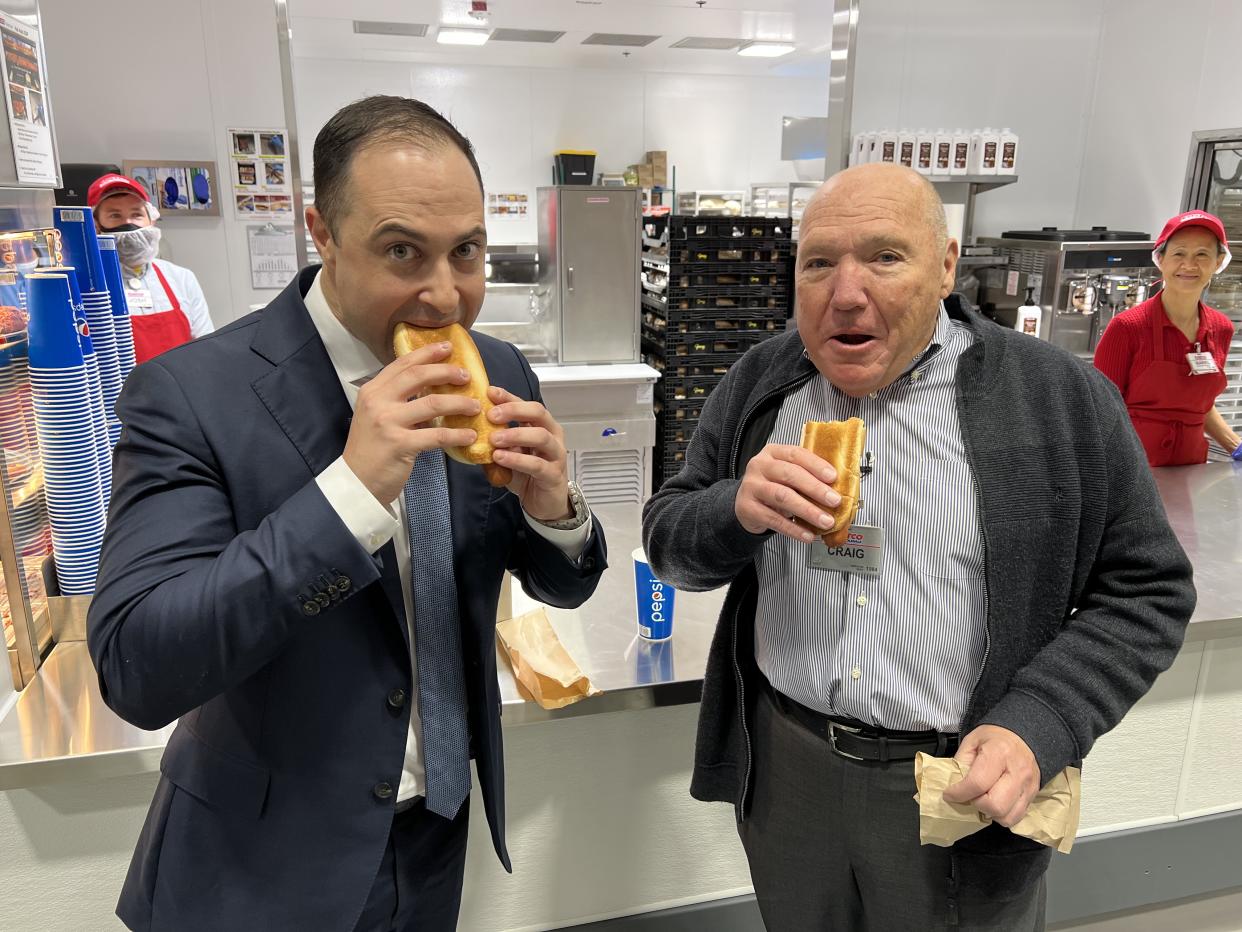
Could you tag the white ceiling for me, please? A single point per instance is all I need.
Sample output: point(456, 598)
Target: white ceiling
point(324, 29)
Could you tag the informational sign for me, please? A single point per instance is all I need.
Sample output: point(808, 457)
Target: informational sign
point(25, 94)
point(273, 259)
point(507, 206)
point(262, 188)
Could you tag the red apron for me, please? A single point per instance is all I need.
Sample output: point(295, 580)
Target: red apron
point(155, 333)
point(1168, 405)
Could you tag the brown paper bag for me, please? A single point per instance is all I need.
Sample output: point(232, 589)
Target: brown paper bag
point(543, 668)
point(1051, 819)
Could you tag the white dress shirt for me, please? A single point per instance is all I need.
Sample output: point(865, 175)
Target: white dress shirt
point(373, 525)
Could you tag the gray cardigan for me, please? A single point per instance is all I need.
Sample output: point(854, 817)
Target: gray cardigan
point(1088, 592)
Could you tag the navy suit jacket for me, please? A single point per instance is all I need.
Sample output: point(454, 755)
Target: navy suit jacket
point(266, 815)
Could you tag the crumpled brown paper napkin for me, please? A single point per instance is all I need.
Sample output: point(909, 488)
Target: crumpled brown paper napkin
point(1051, 820)
point(544, 670)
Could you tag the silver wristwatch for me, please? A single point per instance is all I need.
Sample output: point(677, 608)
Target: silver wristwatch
point(578, 518)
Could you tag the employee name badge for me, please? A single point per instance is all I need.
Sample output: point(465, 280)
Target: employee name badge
point(862, 552)
point(138, 295)
point(1202, 364)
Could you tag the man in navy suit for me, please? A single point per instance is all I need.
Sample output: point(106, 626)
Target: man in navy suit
point(293, 571)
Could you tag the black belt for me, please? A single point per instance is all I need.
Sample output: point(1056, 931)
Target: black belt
point(859, 741)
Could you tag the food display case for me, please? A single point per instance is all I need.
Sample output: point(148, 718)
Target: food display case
point(770, 199)
point(25, 532)
point(711, 203)
point(1214, 184)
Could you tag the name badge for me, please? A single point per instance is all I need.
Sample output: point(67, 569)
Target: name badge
point(1201, 363)
point(862, 552)
point(139, 297)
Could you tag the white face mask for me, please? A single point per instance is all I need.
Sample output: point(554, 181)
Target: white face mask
point(136, 248)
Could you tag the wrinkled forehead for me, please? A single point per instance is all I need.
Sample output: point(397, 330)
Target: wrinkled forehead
point(1193, 239)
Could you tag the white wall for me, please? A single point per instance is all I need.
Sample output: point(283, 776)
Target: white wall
point(973, 63)
point(165, 79)
point(721, 131)
point(1164, 73)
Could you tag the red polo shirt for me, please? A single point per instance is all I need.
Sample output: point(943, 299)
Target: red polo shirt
point(1125, 349)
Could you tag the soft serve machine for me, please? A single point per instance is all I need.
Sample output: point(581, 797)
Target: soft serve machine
point(1079, 278)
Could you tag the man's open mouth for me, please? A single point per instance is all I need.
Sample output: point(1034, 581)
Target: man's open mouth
point(853, 339)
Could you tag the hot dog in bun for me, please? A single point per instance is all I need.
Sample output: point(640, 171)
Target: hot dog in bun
point(841, 443)
point(406, 339)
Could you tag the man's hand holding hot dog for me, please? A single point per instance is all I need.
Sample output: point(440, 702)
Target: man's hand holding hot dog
point(787, 489)
point(535, 451)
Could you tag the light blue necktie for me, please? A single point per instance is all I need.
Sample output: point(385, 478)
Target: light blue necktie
point(437, 636)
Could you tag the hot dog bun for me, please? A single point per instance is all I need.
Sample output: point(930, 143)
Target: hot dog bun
point(406, 339)
point(841, 443)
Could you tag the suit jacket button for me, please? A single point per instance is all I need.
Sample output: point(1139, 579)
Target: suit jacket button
point(396, 699)
point(323, 599)
point(382, 790)
point(310, 608)
point(588, 564)
point(343, 583)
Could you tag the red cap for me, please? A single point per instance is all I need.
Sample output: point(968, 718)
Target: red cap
point(1193, 218)
point(112, 183)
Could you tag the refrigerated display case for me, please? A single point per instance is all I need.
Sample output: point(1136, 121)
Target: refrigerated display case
point(1214, 184)
point(711, 203)
point(769, 199)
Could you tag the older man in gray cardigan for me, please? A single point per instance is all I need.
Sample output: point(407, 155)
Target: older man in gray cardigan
point(1023, 588)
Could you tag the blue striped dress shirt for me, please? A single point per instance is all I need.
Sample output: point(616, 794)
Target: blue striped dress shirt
point(901, 649)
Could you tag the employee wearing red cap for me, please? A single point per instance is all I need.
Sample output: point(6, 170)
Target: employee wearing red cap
point(1167, 355)
point(166, 302)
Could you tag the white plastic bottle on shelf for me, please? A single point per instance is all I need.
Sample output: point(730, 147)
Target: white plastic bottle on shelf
point(1030, 316)
point(1007, 161)
point(989, 151)
point(925, 152)
point(942, 159)
point(873, 147)
point(856, 148)
point(906, 142)
point(960, 164)
point(887, 146)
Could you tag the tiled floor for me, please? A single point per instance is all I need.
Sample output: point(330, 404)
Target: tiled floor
point(1221, 913)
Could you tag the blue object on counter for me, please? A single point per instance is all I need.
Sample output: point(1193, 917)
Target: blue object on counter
point(1237, 454)
point(654, 601)
point(54, 340)
point(77, 234)
point(609, 432)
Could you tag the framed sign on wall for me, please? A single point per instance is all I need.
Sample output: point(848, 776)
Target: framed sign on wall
point(178, 187)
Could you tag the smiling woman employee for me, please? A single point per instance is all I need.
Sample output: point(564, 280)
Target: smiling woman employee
point(166, 303)
point(1167, 355)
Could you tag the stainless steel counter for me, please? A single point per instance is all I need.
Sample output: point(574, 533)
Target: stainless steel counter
point(59, 729)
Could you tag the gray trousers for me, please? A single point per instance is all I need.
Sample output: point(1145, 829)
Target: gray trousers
point(833, 844)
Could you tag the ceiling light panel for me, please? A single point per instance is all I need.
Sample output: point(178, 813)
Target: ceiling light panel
point(706, 42)
point(370, 27)
point(618, 38)
point(525, 35)
point(451, 35)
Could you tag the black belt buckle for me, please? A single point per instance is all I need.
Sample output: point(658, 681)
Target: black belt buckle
point(833, 728)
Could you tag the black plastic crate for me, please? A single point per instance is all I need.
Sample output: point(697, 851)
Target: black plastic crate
point(692, 344)
point(752, 320)
point(678, 431)
point(689, 227)
point(676, 389)
point(718, 251)
point(729, 275)
point(694, 292)
point(698, 369)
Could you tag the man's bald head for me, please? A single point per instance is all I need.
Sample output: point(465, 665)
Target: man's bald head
point(887, 179)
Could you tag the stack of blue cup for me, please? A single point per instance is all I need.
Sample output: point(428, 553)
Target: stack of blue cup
point(122, 330)
point(27, 506)
point(59, 391)
point(93, 403)
point(81, 248)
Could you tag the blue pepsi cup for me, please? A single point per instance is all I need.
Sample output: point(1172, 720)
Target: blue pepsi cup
point(53, 336)
point(654, 601)
point(81, 249)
